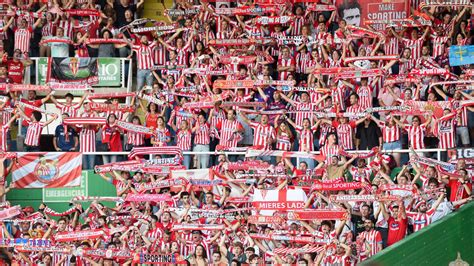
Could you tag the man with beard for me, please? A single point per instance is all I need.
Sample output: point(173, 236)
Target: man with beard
point(422, 216)
point(370, 239)
point(144, 52)
point(397, 222)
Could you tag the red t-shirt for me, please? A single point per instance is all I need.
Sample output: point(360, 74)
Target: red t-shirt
point(396, 230)
point(28, 111)
point(15, 71)
point(458, 192)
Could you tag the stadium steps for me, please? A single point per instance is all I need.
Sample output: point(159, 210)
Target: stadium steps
point(437, 244)
point(154, 9)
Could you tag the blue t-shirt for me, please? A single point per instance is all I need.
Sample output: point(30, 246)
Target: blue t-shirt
point(63, 143)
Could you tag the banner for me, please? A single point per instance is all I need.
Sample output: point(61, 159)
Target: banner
point(147, 197)
point(64, 194)
point(284, 199)
point(122, 254)
point(73, 70)
point(108, 71)
point(192, 174)
point(78, 235)
point(461, 55)
point(311, 215)
point(10, 212)
point(47, 170)
point(357, 12)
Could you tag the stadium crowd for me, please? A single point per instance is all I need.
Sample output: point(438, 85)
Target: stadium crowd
point(317, 101)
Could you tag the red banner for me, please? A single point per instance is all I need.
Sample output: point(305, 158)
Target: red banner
point(310, 215)
point(264, 219)
point(357, 12)
point(79, 235)
point(278, 205)
point(335, 186)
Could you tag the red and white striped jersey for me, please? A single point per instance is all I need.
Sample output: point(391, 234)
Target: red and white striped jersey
point(4, 131)
point(390, 133)
point(329, 151)
point(263, 135)
point(135, 139)
point(68, 28)
point(182, 54)
point(414, 46)
point(202, 135)
point(190, 247)
point(283, 75)
point(254, 31)
point(345, 134)
point(159, 53)
point(463, 115)
point(154, 234)
point(302, 62)
point(175, 72)
point(354, 109)
point(87, 139)
point(298, 23)
point(438, 44)
point(33, 133)
point(283, 142)
point(337, 260)
point(391, 46)
point(144, 55)
point(49, 29)
point(420, 220)
point(374, 239)
point(275, 51)
point(70, 109)
point(180, 114)
point(416, 135)
point(217, 117)
point(305, 111)
point(221, 35)
point(407, 66)
point(338, 96)
point(446, 133)
point(183, 139)
point(22, 39)
point(305, 139)
point(365, 96)
point(161, 137)
point(360, 175)
point(324, 129)
point(227, 129)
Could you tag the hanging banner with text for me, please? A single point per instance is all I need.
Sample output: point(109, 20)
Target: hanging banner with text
point(357, 12)
point(65, 194)
point(98, 72)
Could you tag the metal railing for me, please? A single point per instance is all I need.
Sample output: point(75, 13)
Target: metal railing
point(401, 151)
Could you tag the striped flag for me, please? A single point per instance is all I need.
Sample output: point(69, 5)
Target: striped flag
point(47, 170)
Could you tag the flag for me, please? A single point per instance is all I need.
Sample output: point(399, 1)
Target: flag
point(47, 170)
point(461, 55)
point(269, 201)
point(73, 70)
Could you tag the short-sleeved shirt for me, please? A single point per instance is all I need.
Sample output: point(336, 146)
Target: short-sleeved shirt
point(65, 137)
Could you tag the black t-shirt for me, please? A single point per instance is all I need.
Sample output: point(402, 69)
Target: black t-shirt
point(120, 13)
point(359, 223)
point(368, 136)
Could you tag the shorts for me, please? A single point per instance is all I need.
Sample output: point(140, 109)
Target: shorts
point(390, 146)
point(463, 133)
